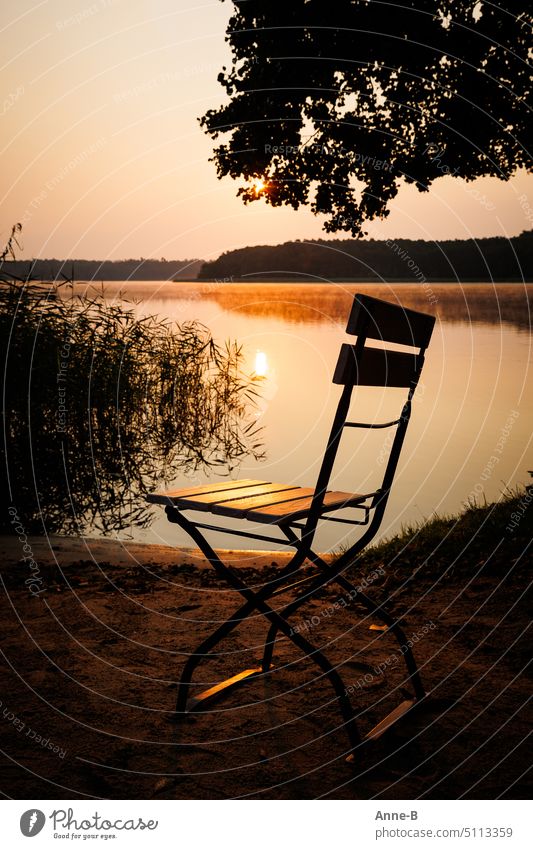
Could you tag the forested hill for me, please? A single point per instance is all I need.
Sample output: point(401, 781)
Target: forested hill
point(401, 259)
point(341, 259)
point(126, 269)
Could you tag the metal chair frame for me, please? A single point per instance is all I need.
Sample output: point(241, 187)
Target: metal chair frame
point(370, 319)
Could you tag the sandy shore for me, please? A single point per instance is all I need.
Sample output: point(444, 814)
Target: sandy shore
point(94, 636)
point(66, 551)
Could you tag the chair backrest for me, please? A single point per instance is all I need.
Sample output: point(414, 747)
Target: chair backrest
point(378, 319)
point(371, 318)
point(362, 365)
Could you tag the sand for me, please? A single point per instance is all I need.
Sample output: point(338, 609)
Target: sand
point(95, 633)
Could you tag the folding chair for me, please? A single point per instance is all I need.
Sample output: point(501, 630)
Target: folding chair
point(297, 512)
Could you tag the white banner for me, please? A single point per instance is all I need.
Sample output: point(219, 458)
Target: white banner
point(267, 824)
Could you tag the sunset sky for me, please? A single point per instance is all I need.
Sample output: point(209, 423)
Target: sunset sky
point(103, 157)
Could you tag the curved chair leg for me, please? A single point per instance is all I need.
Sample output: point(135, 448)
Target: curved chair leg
point(178, 518)
point(291, 608)
point(204, 648)
point(387, 619)
point(373, 607)
point(379, 611)
point(308, 649)
point(321, 660)
point(268, 651)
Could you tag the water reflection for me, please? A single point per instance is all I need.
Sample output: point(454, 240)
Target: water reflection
point(508, 303)
point(261, 364)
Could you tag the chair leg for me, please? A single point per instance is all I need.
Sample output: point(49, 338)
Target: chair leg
point(373, 607)
point(308, 649)
point(387, 619)
point(204, 648)
point(270, 641)
point(335, 680)
point(268, 650)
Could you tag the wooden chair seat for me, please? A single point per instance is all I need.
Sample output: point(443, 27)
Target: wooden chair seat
point(255, 500)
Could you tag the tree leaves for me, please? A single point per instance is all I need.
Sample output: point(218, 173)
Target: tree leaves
point(337, 104)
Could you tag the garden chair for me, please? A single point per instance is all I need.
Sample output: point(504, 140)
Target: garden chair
point(297, 512)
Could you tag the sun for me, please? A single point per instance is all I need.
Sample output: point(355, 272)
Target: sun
point(259, 185)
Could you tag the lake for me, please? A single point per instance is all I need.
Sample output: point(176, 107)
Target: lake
point(470, 433)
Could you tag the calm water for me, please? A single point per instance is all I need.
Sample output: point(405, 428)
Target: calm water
point(471, 427)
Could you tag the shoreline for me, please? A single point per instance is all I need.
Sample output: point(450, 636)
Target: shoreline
point(66, 551)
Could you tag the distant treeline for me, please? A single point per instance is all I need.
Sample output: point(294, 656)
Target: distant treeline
point(342, 259)
point(125, 269)
point(393, 259)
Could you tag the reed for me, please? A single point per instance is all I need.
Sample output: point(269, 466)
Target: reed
point(101, 405)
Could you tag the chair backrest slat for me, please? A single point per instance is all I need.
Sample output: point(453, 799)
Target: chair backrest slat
point(389, 322)
point(376, 367)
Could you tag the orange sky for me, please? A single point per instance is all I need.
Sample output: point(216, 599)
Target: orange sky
point(102, 155)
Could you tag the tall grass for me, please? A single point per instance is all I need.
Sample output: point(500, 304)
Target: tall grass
point(100, 406)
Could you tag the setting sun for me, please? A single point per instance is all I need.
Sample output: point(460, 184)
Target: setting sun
point(259, 185)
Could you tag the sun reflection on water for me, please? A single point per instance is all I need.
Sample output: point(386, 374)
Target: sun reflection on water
point(261, 364)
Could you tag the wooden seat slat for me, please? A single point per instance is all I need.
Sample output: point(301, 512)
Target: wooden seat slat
point(241, 506)
point(208, 500)
point(299, 508)
point(172, 494)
